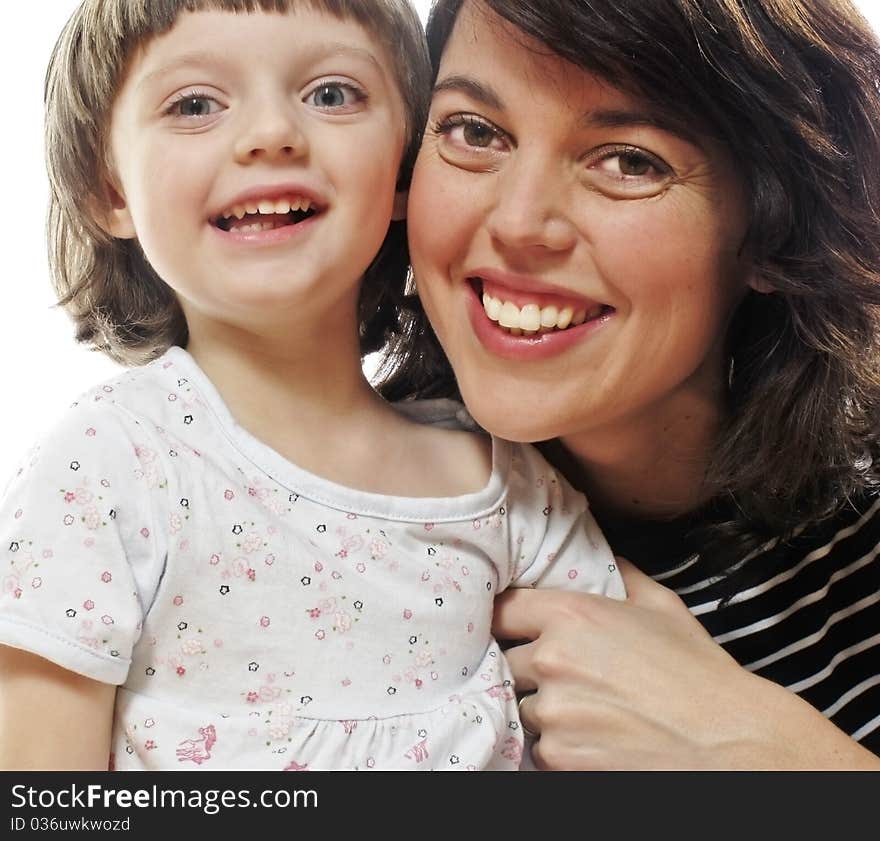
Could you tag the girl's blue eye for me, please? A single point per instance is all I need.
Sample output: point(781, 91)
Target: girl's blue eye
point(194, 105)
point(332, 95)
point(328, 96)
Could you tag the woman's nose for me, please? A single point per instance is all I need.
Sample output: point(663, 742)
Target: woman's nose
point(529, 208)
point(271, 132)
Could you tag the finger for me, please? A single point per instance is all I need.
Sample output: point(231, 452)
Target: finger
point(522, 614)
point(526, 715)
point(519, 659)
point(643, 590)
point(637, 583)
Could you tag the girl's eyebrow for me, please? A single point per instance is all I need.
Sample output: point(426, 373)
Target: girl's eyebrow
point(469, 86)
point(207, 59)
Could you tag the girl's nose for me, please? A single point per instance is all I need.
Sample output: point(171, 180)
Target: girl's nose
point(272, 132)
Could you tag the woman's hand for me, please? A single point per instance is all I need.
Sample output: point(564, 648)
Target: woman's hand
point(640, 684)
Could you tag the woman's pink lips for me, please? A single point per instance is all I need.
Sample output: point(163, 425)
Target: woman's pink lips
point(500, 342)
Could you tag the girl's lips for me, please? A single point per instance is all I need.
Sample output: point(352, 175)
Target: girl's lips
point(500, 342)
point(270, 236)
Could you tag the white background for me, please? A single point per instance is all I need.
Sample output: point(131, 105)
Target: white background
point(42, 369)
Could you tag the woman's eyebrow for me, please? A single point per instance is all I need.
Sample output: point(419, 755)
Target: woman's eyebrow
point(478, 91)
point(626, 118)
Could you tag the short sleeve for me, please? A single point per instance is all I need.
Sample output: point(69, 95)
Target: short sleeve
point(76, 522)
point(555, 542)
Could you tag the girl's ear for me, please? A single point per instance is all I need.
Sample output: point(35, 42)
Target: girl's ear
point(111, 213)
point(399, 212)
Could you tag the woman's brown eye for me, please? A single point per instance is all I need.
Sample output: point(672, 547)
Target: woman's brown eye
point(634, 165)
point(476, 134)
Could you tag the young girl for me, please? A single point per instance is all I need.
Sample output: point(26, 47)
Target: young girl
point(237, 555)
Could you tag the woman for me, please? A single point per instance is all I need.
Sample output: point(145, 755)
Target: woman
point(658, 251)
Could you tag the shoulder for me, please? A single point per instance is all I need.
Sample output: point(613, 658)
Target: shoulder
point(442, 413)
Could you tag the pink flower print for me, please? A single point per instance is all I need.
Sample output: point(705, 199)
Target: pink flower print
point(197, 750)
point(228, 494)
point(319, 567)
point(68, 519)
point(36, 583)
point(361, 567)
point(407, 614)
point(18, 514)
point(348, 543)
point(17, 592)
point(150, 744)
point(177, 601)
point(252, 542)
point(348, 725)
point(270, 693)
point(424, 658)
point(251, 574)
point(181, 671)
point(107, 619)
point(477, 525)
point(342, 622)
point(191, 647)
point(293, 765)
point(572, 574)
point(264, 621)
point(88, 604)
point(106, 577)
point(145, 532)
point(470, 627)
point(69, 497)
point(319, 634)
point(315, 613)
point(387, 659)
point(336, 575)
point(279, 730)
point(175, 523)
point(346, 682)
point(252, 697)
point(378, 549)
point(371, 763)
point(429, 526)
point(90, 432)
point(512, 749)
point(149, 723)
point(270, 559)
point(418, 752)
point(214, 560)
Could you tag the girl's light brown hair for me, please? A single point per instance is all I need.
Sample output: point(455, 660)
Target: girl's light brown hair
point(117, 302)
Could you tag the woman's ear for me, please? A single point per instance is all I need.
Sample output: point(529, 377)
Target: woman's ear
point(110, 212)
point(759, 283)
point(399, 212)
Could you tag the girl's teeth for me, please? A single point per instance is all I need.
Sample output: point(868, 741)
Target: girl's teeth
point(532, 319)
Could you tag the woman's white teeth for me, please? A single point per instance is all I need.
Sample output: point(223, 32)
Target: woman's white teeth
point(532, 319)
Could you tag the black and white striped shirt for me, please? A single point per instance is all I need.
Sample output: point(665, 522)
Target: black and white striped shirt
point(808, 618)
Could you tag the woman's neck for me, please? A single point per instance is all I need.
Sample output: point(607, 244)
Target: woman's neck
point(650, 467)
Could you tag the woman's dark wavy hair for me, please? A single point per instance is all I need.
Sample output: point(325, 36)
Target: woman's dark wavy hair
point(792, 87)
point(118, 303)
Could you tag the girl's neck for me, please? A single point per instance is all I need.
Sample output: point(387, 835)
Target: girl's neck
point(303, 394)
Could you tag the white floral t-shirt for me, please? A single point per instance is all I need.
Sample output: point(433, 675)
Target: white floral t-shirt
point(254, 615)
